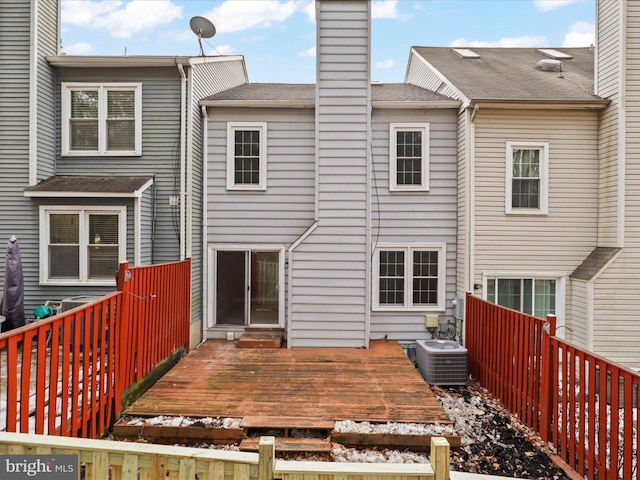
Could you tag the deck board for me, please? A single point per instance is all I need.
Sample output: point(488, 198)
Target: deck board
point(218, 379)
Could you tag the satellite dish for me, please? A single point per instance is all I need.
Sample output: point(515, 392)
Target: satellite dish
point(203, 28)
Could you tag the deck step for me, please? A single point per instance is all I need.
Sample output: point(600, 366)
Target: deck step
point(260, 339)
point(301, 423)
point(316, 445)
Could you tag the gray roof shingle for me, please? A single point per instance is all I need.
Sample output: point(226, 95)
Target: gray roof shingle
point(305, 93)
point(89, 185)
point(510, 74)
point(595, 262)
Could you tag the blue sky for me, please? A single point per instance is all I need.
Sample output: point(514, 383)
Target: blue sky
point(277, 37)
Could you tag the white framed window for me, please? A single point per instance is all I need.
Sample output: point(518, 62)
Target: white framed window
point(81, 245)
point(527, 178)
point(409, 157)
point(409, 277)
point(537, 295)
point(246, 156)
point(102, 119)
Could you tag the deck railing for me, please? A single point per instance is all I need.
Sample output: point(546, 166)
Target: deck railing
point(65, 375)
point(104, 460)
point(586, 406)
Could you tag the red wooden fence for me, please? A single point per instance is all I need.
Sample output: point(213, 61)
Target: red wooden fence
point(584, 405)
point(65, 375)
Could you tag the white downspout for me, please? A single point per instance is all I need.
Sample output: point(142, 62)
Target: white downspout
point(183, 160)
point(205, 226)
point(33, 96)
point(190, 160)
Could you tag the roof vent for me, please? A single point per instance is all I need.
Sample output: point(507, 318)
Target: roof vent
point(549, 65)
point(465, 53)
point(555, 54)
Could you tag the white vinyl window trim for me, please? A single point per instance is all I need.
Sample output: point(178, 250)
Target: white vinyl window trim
point(543, 176)
point(560, 289)
point(408, 304)
point(422, 184)
point(83, 214)
point(233, 183)
point(102, 90)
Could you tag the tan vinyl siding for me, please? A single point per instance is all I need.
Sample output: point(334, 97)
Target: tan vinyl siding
point(560, 240)
point(322, 315)
point(577, 331)
point(616, 331)
point(405, 218)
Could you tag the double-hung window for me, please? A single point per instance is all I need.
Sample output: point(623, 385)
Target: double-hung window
point(534, 296)
point(81, 245)
point(527, 178)
point(409, 277)
point(101, 119)
point(409, 157)
point(246, 156)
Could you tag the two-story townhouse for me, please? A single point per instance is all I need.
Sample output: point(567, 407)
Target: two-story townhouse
point(543, 205)
point(113, 171)
point(330, 209)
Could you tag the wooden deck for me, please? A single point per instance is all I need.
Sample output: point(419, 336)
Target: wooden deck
point(293, 388)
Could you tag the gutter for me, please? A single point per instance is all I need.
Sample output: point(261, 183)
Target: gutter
point(33, 97)
point(622, 125)
point(183, 160)
point(205, 226)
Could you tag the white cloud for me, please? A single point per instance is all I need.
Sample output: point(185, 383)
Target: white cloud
point(120, 19)
point(386, 64)
point(507, 42)
point(310, 10)
point(384, 9)
point(234, 16)
point(77, 48)
point(546, 5)
point(222, 50)
point(311, 52)
point(582, 34)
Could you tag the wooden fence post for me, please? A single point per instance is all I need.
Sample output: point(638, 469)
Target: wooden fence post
point(440, 457)
point(121, 338)
point(266, 458)
point(547, 378)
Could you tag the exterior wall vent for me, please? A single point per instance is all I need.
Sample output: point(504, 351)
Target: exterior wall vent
point(549, 65)
point(442, 362)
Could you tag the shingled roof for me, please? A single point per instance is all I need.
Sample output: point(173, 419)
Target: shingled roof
point(594, 263)
point(514, 74)
point(90, 186)
point(305, 94)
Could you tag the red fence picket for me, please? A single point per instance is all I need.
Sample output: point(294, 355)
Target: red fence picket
point(65, 375)
point(586, 406)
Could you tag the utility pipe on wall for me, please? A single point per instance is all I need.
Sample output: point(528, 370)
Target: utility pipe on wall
point(183, 160)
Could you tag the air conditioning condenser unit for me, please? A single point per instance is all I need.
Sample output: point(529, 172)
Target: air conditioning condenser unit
point(442, 362)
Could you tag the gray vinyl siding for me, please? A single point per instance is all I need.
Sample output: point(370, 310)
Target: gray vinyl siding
point(463, 208)
point(160, 146)
point(146, 225)
point(560, 240)
point(322, 314)
point(205, 79)
point(419, 217)
point(279, 215)
point(18, 215)
point(47, 44)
